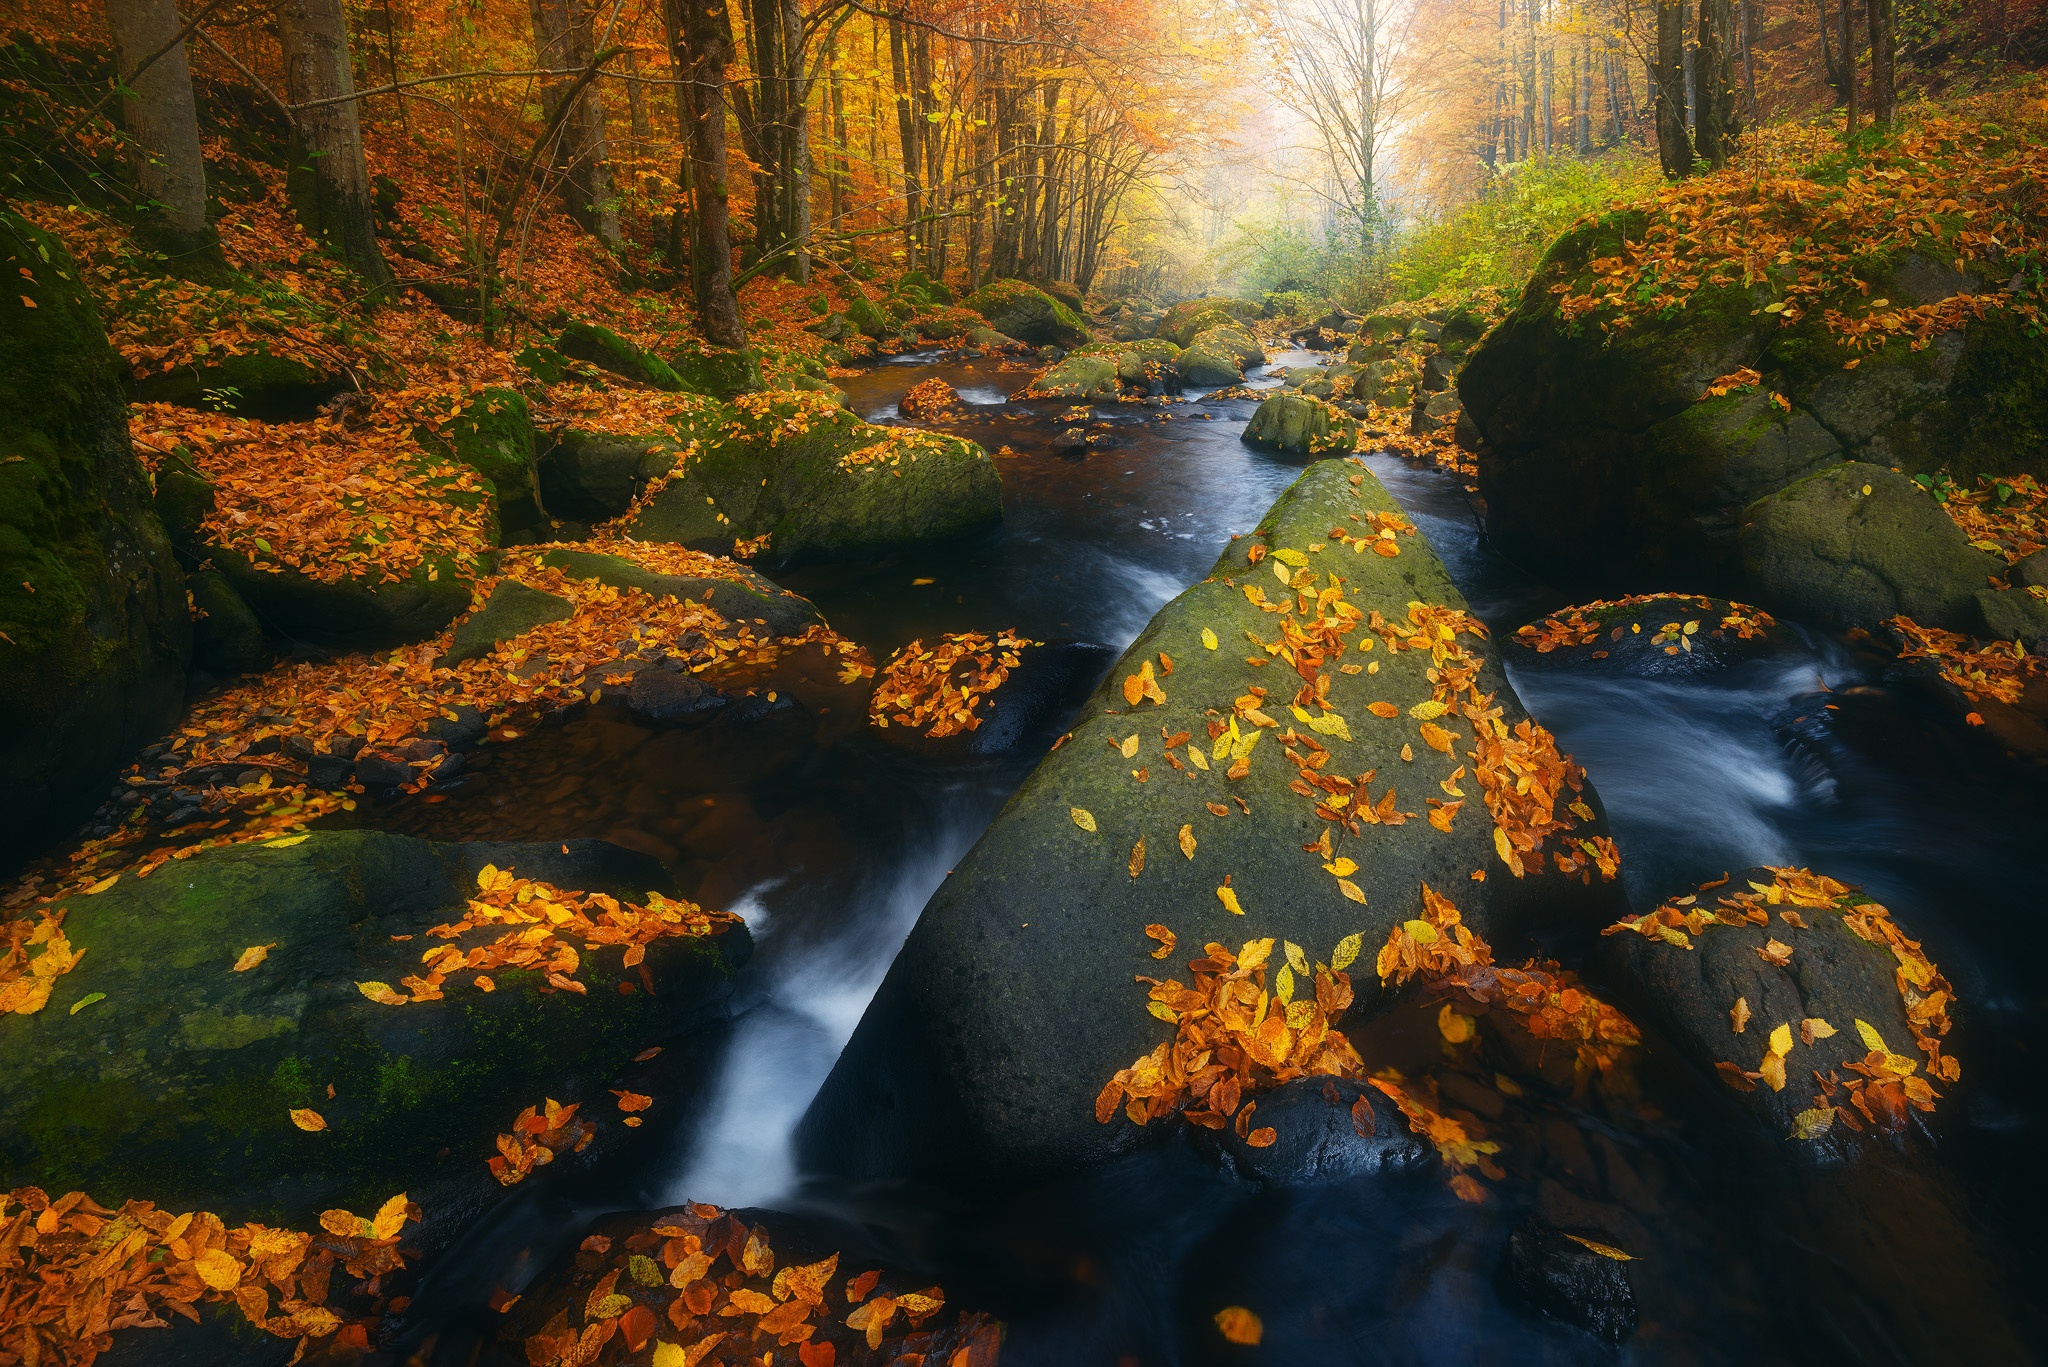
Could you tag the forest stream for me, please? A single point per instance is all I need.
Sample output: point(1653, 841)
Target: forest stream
point(829, 837)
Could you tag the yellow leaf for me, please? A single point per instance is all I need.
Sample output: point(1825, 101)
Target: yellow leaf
point(1816, 1027)
point(1083, 818)
point(1454, 1027)
point(1346, 952)
point(1289, 557)
point(1604, 1250)
point(218, 1269)
point(1871, 1039)
point(252, 956)
point(1781, 1040)
point(1502, 848)
point(1428, 711)
point(1351, 890)
point(1209, 641)
point(103, 884)
point(308, 1120)
point(1297, 958)
point(1280, 573)
point(1330, 724)
point(283, 842)
point(1772, 1070)
point(1436, 738)
point(1228, 896)
point(1814, 1123)
point(1163, 1011)
point(1283, 984)
point(1738, 1015)
point(1422, 932)
point(1187, 841)
point(1197, 758)
point(382, 994)
point(1138, 857)
point(390, 1218)
point(1129, 748)
point(1342, 867)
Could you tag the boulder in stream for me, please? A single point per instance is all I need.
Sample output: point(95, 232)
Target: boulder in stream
point(92, 603)
point(1028, 314)
point(1300, 424)
point(810, 477)
point(177, 1077)
point(1199, 784)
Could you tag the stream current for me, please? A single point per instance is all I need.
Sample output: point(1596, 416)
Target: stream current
point(829, 839)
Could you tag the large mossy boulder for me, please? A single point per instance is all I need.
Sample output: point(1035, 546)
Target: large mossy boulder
point(1180, 323)
point(1013, 1002)
point(600, 346)
point(722, 372)
point(797, 468)
point(1301, 424)
point(176, 1080)
point(1607, 459)
point(252, 384)
point(1856, 544)
point(94, 635)
point(1028, 314)
point(493, 435)
point(1228, 339)
point(1076, 377)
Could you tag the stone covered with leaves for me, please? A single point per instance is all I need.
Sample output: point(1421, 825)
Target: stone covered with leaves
point(1219, 799)
point(160, 1070)
point(94, 637)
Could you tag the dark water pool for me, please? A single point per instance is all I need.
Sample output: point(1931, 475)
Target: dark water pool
point(829, 838)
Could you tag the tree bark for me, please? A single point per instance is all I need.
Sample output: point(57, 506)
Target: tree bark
point(1846, 31)
point(161, 121)
point(636, 100)
point(329, 182)
point(1719, 125)
point(1884, 43)
point(1674, 145)
point(796, 143)
point(700, 44)
point(562, 41)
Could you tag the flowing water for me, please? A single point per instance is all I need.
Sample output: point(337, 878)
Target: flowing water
point(829, 838)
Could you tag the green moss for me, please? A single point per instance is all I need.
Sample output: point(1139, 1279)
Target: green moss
point(602, 347)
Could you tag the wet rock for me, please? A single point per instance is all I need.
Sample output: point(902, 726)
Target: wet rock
point(1317, 1136)
point(670, 696)
point(1028, 314)
point(592, 476)
point(493, 435)
point(92, 599)
point(331, 772)
point(1556, 1275)
point(740, 595)
point(512, 610)
point(254, 384)
point(1300, 424)
point(1077, 377)
point(2012, 615)
point(349, 614)
point(380, 769)
point(1201, 366)
point(465, 728)
point(1857, 544)
point(1232, 341)
point(227, 638)
point(2030, 571)
point(1646, 636)
point(1180, 323)
point(1434, 412)
point(961, 1073)
point(721, 372)
point(1049, 683)
point(816, 479)
point(992, 341)
point(182, 1094)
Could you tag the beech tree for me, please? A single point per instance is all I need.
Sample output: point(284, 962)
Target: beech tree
point(329, 181)
point(563, 44)
point(160, 119)
point(700, 45)
point(1716, 123)
point(1667, 70)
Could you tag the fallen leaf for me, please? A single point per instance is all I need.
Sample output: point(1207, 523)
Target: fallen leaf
point(1138, 857)
point(1604, 1250)
point(1083, 818)
point(1228, 896)
point(1187, 841)
point(252, 956)
point(308, 1120)
point(632, 1101)
point(1738, 1015)
point(1240, 1325)
point(1166, 939)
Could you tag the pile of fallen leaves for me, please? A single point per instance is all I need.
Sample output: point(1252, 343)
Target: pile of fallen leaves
point(940, 689)
point(330, 499)
point(623, 411)
point(73, 1273)
point(929, 399)
point(2003, 515)
point(1883, 1084)
point(1947, 186)
point(538, 1135)
point(528, 924)
point(37, 955)
point(1998, 670)
point(701, 1286)
point(1388, 429)
point(895, 448)
point(1586, 623)
point(1233, 1038)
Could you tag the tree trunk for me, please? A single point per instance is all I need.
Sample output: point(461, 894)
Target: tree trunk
point(562, 42)
point(1884, 99)
point(1674, 146)
point(1846, 32)
point(636, 100)
point(1720, 127)
point(329, 182)
point(1830, 58)
point(700, 44)
point(161, 121)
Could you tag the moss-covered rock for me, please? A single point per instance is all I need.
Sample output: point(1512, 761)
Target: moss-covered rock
point(94, 633)
point(1076, 377)
point(1028, 314)
point(177, 1084)
point(721, 372)
point(1605, 458)
point(493, 435)
point(513, 609)
point(590, 476)
point(606, 350)
point(1856, 544)
point(1012, 1003)
point(1201, 366)
point(1179, 324)
point(797, 468)
point(741, 595)
point(254, 384)
point(1228, 339)
point(227, 636)
point(349, 614)
point(1301, 424)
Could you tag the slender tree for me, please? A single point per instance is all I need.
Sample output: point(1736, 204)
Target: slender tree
point(700, 46)
point(160, 119)
point(1847, 30)
point(1719, 126)
point(1667, 71)
point(1884, 44)
point(563, 44)
point(329, 181)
